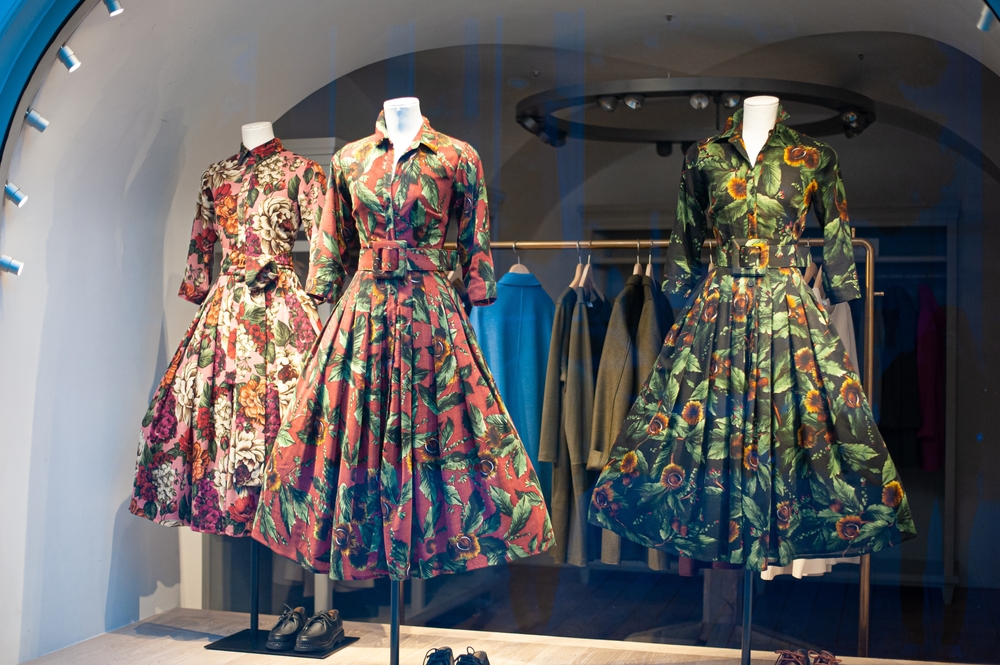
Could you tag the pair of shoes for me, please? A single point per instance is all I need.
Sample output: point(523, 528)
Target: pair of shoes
point(320, 633)
point(444, 656)
point(803, 657)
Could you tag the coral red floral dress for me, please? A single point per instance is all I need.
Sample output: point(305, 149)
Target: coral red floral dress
point(218, 408)
point(399, 458)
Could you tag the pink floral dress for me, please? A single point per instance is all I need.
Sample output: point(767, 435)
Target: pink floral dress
point(216, 412)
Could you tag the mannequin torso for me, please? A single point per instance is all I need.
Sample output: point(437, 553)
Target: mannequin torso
point(402, 122)
point(257, 134)
point(759, 116)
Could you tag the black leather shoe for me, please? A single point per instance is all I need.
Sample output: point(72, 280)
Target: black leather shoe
point(439, 656)
point(321, 633)
point(471, 657)
point(282, 636)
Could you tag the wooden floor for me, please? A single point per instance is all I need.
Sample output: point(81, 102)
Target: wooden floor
point(178, 637)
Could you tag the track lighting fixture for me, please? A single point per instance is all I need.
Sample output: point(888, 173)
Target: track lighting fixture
point(11, 265)
point(114, 7)
point(34, 119)
point(68, 58)
point(608, 102)
point(634, 101)
point(15, 195)
point(986, 19)
point(730, 99)
point(699, 100)
point(851, 119)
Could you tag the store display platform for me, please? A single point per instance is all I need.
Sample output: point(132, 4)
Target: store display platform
point(179, 636)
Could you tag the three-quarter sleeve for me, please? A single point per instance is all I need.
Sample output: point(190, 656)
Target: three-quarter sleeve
point(683, 269)
point(198, 273)
point(840, 273)
point(472, 208)
point(311, 198)
point(331, 237)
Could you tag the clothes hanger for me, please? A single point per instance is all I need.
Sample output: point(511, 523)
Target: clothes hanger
point(518, 267)
point(811, 271)
point(650, 269)
point(637, 268)
point(578, 276)
point(587, 281)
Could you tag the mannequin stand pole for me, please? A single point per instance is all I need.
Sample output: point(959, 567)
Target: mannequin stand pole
point(747, 615)
point(396, 618)
point(254, 590)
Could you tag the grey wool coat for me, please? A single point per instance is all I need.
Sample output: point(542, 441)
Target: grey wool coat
point(640, 318)
point(578, 333)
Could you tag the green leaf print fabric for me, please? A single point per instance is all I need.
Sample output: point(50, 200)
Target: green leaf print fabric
point(752, 442)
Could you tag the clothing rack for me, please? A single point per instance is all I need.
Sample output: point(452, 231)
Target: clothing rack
point(864, 595)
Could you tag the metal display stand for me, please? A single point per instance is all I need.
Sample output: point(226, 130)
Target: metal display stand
point(253, 639)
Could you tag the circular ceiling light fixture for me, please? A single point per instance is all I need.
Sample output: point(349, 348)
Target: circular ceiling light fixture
point(851, 113)
point(730, 100)
point(699, 100)
point(634, 100)
point(608, 103)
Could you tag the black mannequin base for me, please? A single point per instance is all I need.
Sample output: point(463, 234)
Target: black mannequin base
point(241, 642)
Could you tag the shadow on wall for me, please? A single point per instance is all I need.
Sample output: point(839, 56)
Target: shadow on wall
point(102, 321)
point(135, 590)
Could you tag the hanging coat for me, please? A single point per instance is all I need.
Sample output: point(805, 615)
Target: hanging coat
point(514, 334)
point(752, 442)
point(399, 457)
point(578, 333)
point(216, 412)
point(639, 319)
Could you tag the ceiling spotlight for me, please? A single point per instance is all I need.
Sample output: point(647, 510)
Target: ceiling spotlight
point(608, 102)
point(530, 124)
point(114, 7)
point(13, 266)
point(730, 99)
point(985, 19)
point(68, 58)
point(34, 119)
point(15, 195)
point(699, 100)
point(851, 119)
point(634, 101)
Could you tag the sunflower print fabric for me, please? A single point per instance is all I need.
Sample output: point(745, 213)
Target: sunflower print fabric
point(399, 457)
point(220, 403)
point(752, 442)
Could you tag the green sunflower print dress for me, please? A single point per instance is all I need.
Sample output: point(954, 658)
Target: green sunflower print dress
point(752, 442)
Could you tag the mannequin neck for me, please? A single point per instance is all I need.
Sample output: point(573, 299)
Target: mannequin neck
point(402, 122)
point(759, 117)
point(257, 134)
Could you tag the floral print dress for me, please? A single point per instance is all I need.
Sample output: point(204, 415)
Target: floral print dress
point(752, 442)
point(399, 457)
point(220, 403)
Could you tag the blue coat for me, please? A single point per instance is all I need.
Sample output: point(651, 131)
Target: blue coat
point(514, 334)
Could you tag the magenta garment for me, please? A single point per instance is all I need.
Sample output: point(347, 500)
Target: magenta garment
point(930, 378)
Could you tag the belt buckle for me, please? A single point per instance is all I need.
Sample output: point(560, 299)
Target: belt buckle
point(389, 259)
point(752, 258)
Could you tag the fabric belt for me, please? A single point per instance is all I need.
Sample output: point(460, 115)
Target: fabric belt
point(393, 259)
point(259, 272)
point(755, 256)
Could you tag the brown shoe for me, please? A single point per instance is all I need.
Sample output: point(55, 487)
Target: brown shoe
point(823, 658)
point(789, 657)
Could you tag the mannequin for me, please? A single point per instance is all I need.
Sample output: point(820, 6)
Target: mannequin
point(759, 116)
point(402, 121)
point(257, 134)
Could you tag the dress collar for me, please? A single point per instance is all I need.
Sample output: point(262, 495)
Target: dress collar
point(425, 134)
point(263, 150)
point(518, 279)
point(734, 126)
